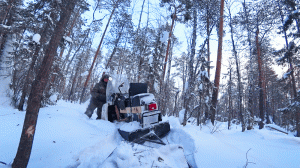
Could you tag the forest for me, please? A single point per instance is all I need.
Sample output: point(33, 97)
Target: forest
point(58, 50)
point(54, 50)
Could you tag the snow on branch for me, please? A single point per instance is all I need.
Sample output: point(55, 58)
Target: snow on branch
point(4, 26)
point(68, 39)
point(281, 59)
point(204, 73)
point(36, 38)
point(286, 75)
point(49, 18)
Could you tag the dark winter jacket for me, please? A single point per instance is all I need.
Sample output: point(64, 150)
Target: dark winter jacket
point(99, 91)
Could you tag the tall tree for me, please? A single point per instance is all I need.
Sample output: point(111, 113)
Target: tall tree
point(191, 81)
point(180, 7)
point(294, 15)
point(115, 5)
point(292, 19)
point(218, 67)
point(32, 64)
point(120, 32)
point(234, 50)
point(208, 18)
point(246, 20)
point(34, 101)
point(8, 17)
point(140, 56)
point(260, 83)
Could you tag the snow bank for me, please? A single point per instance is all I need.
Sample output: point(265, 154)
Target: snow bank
point(130, 127)
point(178, 136)
point(129, 155)
point(95, 155)
point(181, 115)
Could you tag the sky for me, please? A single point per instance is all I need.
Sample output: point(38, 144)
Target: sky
point(160, 15)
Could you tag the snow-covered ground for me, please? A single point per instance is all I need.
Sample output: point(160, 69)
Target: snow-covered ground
point(66, 138)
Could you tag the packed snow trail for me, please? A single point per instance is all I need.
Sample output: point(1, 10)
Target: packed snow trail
point(129, 155)
point(95, 155)
point(114, 152)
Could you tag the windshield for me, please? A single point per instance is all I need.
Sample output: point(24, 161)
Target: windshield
point(115, 82)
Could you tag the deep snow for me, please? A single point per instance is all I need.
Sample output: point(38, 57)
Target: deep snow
point(66, 138)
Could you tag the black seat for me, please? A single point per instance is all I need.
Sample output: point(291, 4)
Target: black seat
point(137, 88)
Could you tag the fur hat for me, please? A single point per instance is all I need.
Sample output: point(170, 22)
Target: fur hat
point(104, 76)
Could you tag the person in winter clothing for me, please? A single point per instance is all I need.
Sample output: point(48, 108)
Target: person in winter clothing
point(98, 97)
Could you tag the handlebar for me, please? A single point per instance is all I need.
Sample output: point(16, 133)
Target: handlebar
point(121, 86)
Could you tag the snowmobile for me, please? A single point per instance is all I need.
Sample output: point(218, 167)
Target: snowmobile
point(136, 112)
point(130, 102)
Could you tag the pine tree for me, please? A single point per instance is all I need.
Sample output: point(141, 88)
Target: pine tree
point(218, 67)
point(34, 101)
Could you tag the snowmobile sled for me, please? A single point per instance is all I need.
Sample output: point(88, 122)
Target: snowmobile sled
point(130, 103)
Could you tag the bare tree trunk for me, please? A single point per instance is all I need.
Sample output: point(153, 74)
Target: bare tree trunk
point(208, 38)
point(266, 105)
point(229, 99)
point(29, 72)
point(2, 21)
point(74, 55)
point(140, 17)
point(38, 86)
point(62, 49)
point(115, 47)
point(298, 124)
point(27, 79)
point(295, 96)
point(151, 80)
point(251, 85)
point(4, 16)
point(293, 78)
point(175, 106)
point(190, 89)
point(250, 106)
point(169, 42)
point(260, 84)
point(9, 22)
point(199, 113)
point(184, 77)
point(69, 33)
point(97, 52)
point(238, 74)
point(166, 89)
point(218, 67)
point(74, 80)
point(137, 33)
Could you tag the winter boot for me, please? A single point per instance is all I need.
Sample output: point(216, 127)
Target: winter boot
point(99, 112)
point(89, 113)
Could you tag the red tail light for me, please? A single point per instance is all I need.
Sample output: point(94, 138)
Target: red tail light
point(152, 107)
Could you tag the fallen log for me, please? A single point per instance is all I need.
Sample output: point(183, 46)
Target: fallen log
point(277, 129)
